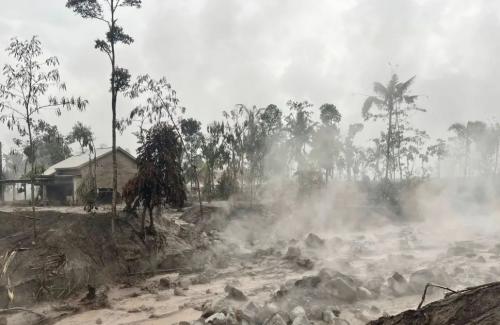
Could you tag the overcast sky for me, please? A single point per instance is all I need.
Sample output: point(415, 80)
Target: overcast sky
point(217, 53)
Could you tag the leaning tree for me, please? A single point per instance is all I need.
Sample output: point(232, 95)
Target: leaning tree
point(24, 94)
point(106, 11)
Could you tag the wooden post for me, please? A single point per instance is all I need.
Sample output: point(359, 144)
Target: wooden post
point(13, 192)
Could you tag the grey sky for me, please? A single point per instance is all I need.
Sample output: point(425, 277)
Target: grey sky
point(217, 53)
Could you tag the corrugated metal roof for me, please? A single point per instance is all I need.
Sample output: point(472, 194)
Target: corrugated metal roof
point(81, 160)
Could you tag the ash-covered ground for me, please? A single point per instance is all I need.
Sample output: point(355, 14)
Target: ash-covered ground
point(268, 265)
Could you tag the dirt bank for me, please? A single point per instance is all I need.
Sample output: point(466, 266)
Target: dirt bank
point(71, 251)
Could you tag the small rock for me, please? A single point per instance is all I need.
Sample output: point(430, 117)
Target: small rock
point(253, 312)
point(314, 241)
point(201, 279)
point(481, 259)
point(292, 253)
point(306, 263)
point(328, 317)
point(179, 292)
point(334, 309)
point(162, 297)
point(236, 294)
point(308, 282)
point(184, 283)
point(420, 278)
point(297, 311)
point(301, 320)
point(276, 319)
point(140, 309)
point(374, 285)
point(364, 293)
point(267, 311)
point(398, 284)
point(165, 283)
point(184, 323)
point(217, 318)
point(97, 321)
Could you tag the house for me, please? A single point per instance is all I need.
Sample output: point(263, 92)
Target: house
point(61, 181)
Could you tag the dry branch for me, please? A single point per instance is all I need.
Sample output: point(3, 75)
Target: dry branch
point(425, 292)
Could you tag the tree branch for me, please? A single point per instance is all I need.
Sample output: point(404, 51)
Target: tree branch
point(425, 292)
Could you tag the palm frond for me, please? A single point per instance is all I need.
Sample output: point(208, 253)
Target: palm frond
point(380, 89)
point(369, 102)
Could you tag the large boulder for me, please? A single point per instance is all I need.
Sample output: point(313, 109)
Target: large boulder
point(234, 293)
point(398, 284)
point(293, 253)
point(314, 241)
point(343, 290)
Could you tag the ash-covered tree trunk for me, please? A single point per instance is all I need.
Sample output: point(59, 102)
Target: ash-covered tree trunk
point(105, 11)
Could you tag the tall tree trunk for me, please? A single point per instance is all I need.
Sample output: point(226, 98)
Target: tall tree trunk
point(1, 175)
point(115, 167)
point(32, 165)
point(388, 142)
point(466, 162)
point(113, 121)
point(496, 159)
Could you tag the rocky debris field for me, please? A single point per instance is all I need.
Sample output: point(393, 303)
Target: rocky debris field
point(222, 268)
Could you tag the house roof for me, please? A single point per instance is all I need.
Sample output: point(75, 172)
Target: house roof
point(79, 161)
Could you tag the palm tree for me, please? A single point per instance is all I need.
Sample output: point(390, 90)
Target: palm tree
point(388, 99)
point(300, 127)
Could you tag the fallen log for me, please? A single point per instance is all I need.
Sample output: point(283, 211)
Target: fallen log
point(476, 305)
